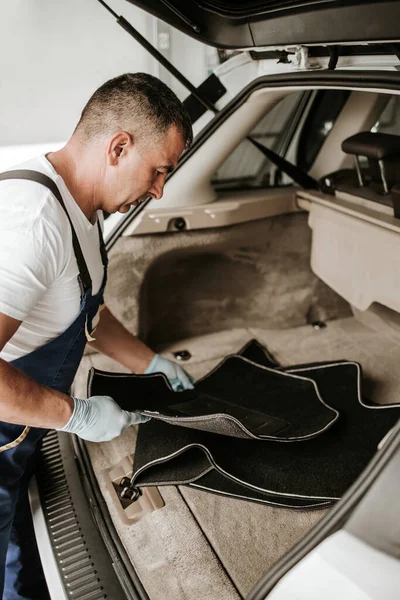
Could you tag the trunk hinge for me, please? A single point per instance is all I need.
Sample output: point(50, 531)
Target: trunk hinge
point(299, 58)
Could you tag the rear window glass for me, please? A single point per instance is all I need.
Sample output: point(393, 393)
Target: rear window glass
point(247, 166)
point(313, 113)
point(325, 109)
point(389, 120)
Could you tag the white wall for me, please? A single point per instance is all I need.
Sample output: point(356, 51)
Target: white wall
point(53, 55)
point(189, 56)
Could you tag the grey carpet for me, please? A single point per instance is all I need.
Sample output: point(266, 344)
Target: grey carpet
point(252, 274)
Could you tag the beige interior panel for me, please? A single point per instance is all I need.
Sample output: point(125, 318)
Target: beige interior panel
point(232, 208)
point(357, 257)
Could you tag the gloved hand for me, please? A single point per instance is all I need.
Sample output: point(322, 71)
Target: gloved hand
point(178, 378)
point(100, 419)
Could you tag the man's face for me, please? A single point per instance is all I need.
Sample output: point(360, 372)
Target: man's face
point(134, 173)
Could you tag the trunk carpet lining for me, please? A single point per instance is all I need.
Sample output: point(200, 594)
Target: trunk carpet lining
point(217, 558)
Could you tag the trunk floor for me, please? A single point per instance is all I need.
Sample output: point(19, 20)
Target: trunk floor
point(204, 546)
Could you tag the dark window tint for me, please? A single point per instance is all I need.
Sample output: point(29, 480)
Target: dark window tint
point(323, 114)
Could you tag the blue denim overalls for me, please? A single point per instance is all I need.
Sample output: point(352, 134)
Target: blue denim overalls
point(53, 365)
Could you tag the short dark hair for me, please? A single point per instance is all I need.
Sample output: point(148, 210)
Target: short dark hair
point(135, 102)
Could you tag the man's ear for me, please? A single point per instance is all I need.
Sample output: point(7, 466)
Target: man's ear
point(118, 146)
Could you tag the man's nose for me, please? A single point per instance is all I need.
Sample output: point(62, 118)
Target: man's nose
point(157, 189)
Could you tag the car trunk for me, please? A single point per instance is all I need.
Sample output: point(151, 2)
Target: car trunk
point(209, 292)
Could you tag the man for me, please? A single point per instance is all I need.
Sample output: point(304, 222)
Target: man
point(52, 276)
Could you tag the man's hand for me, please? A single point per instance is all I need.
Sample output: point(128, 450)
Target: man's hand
point(100, 419)
point(178, 378)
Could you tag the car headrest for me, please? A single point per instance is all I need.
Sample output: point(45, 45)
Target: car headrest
point(372, 145)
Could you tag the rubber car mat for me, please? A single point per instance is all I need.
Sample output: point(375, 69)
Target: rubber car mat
point(321, 468)
point(238, 398)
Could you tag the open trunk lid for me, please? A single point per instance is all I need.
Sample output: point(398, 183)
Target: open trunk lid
point(255, 23)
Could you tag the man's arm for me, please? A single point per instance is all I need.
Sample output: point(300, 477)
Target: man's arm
point(23, 401)
point(113, 340)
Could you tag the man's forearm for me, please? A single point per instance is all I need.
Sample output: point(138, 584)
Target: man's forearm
point(113, 340)
point(23, 401)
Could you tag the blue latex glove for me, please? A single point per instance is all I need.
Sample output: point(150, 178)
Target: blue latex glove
point(100, 419)
point(178, 378)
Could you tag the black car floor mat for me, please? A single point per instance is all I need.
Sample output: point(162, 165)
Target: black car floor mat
point(214, 483)
point(238, 398)
point(319, 469)
point(256, 352)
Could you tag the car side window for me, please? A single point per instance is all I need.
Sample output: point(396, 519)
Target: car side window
point(326, 107)
point(314, 112)
point(247, 167)
point(389, 119)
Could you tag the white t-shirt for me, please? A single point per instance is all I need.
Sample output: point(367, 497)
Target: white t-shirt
point(38, 268)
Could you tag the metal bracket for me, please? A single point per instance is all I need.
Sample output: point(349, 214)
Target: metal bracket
point(299, 56)
point(132, 503)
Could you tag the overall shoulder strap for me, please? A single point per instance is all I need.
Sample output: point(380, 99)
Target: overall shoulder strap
point(84, 278)
point(103, 251)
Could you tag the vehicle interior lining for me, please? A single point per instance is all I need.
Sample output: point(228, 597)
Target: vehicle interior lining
point(210, 291)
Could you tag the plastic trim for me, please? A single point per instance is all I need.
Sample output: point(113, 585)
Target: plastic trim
point(48, 560)
point(87, 567)
point(126, 573)
point(226, 25)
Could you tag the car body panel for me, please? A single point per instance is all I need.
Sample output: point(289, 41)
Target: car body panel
point(260, 23)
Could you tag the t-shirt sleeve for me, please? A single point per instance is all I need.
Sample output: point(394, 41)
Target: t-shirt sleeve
point(28, 266)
